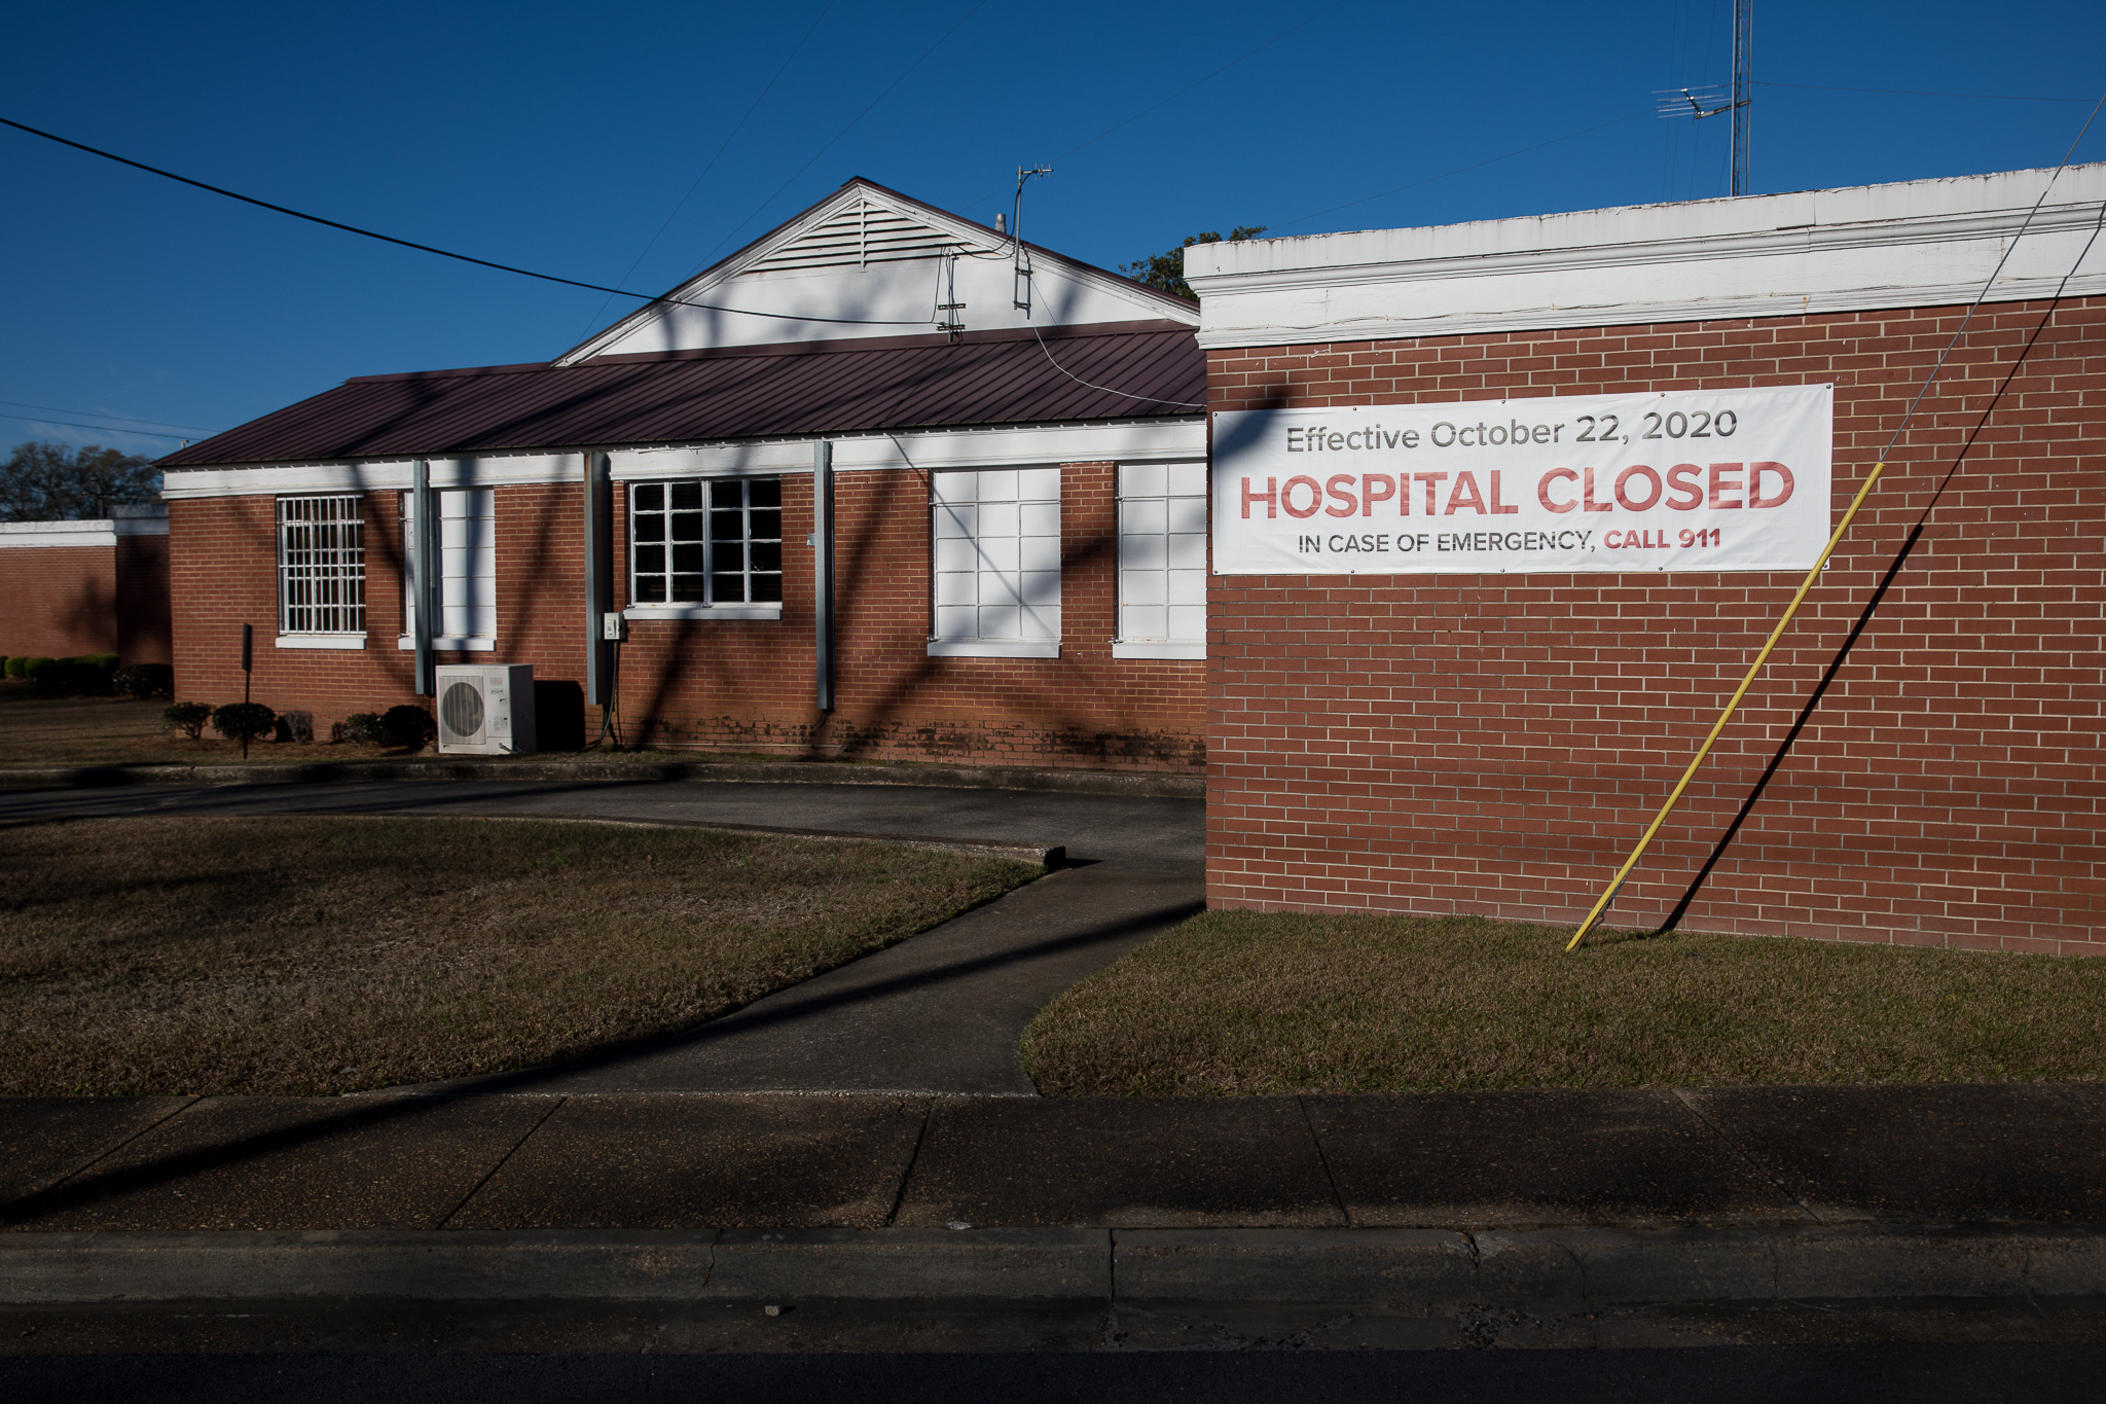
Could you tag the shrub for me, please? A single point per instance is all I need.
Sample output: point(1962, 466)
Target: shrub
point(365, 729)
point(144, 680)
point(244, 721)
point(90, 673)
point(409, 727)
point(51, 675)
point(102, 662)
point(18, 666)
point(188, 718)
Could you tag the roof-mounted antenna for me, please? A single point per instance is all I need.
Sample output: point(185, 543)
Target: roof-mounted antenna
point(1020, 271)
point(1707, 101)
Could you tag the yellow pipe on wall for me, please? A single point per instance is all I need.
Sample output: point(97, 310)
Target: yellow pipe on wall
point(1725, 716)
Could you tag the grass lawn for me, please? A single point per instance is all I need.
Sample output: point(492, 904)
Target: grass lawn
point(1235, 1003)
point(318, 955)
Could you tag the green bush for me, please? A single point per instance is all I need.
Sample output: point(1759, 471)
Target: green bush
point(365, 729)
point(188, 718)
point(409, 727)
point(144, 680)
point(53, 675)
point(244, 721)
point(18, 666)
point(105, 662)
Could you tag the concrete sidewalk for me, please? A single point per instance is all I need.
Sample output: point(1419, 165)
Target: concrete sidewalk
point(1585, 1199)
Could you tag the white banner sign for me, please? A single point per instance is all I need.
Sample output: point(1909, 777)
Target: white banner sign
point(1675, 480)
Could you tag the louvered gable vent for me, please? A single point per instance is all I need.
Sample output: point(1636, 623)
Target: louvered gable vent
point(862, 233)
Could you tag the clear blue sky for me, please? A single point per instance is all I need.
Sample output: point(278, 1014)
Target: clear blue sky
point(561, 138)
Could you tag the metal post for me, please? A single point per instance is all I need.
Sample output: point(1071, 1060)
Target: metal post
point(823, 570)
point(424, 568)
point(596, 596)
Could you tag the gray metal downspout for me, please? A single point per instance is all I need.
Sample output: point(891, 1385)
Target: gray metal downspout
point(823, 569)
point(596, 533)
point(424, 571)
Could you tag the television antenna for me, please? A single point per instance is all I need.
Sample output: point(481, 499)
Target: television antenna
point(1708, 101)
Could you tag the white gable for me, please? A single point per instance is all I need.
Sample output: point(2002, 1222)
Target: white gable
point(865, 262)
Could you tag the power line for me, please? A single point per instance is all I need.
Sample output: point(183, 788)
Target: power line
point(432, 249)
point(98, 414)
point(1917, 92)
point(832, 141)
point(104, 428)
point(794, 52)
point(1458, 170)
point(1129, 121)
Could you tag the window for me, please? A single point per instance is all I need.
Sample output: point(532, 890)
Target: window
point(711, 545)
point(467, 543)
point(1162, 561)
point(321, 573)
point(996, 541)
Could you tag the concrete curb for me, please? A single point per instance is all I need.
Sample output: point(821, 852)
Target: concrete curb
point(1141, 784)
point(1600, 1266)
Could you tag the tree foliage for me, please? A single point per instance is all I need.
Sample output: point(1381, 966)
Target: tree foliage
point(46, 482)
point(1165, 272)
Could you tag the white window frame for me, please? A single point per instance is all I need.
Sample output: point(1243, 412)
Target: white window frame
point(708, 509)
point(1162, 592)
point(321, 571)
point(473, 546)
point(995, 566)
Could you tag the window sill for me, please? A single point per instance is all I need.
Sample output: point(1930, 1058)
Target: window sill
point(994, 648)
point(1121, 649)
point(343, 641)
point(451, 644)
point(703, 611)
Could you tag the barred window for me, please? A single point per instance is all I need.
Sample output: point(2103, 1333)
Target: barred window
point(1162, 560)
point(713, 541)
point(321, 566)
point(996, 542)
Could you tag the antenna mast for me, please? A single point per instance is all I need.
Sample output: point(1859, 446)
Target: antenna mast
point(1743, 62)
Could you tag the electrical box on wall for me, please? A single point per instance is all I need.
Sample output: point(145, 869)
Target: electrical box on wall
point(486, 709)
point(613, 627)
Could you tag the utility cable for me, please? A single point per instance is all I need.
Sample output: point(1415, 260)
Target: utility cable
point(1916, 92)
point(98, 414)
point(906, 73)
point(1106, 389)
point(1162, 102)
point(104, 428)
point(1835, 538)
point(1459, 170)
point(433, 249)
point(712, 165)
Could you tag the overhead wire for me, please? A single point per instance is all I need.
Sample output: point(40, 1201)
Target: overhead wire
point(104, 428)
point(1864, 492)
point(98, 414)
point(907, 72)
point(434, 249)
point(1916, 92)
point(797, 49)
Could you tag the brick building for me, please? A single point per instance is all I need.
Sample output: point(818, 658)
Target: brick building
point(90, 586)
point(1012, 569)
point(1429, 698)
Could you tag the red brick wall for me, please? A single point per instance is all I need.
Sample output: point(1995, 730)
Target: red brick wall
point(744, 686)
point(1495, 745)
point(57, 601)
point(749, 685)
point(223, 573)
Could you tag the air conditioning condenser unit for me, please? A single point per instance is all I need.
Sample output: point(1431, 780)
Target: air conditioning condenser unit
point(486, 709)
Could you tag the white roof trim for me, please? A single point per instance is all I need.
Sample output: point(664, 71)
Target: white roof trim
point(86, 532)
point(1910, 244)
point(718, 285)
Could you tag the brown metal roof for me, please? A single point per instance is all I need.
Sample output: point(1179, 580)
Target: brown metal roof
point(1149, 370)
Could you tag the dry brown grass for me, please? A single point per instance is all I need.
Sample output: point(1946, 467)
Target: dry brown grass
point(1244, 1003)
point(316, 955)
